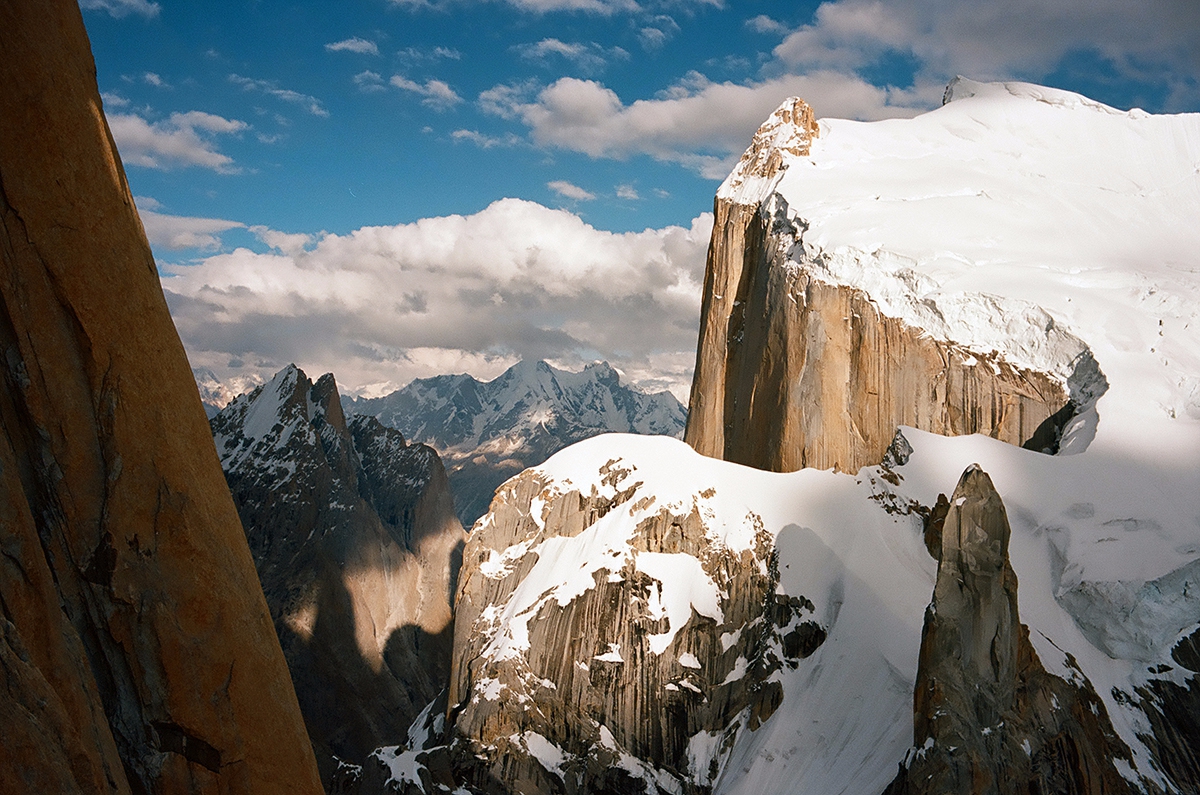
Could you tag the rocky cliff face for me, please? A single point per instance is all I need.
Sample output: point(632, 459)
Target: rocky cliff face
point(796, 370)
point(988, 718)
point(136, 650)
point(489, 431)
point(354, 536)
point(626, 690)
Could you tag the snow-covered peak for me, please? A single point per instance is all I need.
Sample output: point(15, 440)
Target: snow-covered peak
point(459, 412)
point(961, 88)
point(1031, 222)
point(787, 133)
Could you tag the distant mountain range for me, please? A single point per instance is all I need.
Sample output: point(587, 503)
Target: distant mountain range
point(488, 431)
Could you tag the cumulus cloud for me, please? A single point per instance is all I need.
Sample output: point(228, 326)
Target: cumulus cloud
point(588, 56)
point(570, 191)
point(271, 88)
point(113, 100)
point(354, 44)
point(179, 141)
point(699, 124)
point(153, 79)
point(627, 192)
point(437, 94)
point(120, 8)
point(515, 280)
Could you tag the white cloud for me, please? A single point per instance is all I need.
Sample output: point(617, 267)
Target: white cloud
point(569, 190)
point(697, 123)
point(416, 54)
point(181, 140)
point(484, 141)
point(150, 78)
point(437, 94)
point(291, 243)
point(271, 88)
point(369, 81)
point(764, 24)
point(589, 56)
point(659, 30)
point(515, 280)
point(120, 8)
point(354, 44)
point(627, 192)
point(988, 40)
point(176, 232)
point(113, 100)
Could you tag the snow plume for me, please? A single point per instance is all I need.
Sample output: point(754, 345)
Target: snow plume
point(455, 293)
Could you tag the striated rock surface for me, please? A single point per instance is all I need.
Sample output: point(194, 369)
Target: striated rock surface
point(988, 718)
point(354, 536)
point(616, 680)
point(136, 649)
point(489, 431)
point(794, 369)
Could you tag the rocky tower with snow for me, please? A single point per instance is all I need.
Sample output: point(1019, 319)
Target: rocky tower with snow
point(797, 368)
point(355, 539)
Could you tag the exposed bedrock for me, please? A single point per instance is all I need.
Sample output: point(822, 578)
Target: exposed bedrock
point(354, 535)
point(795, 370)
point(988, 717)
point(603, 693)
point(136, 649)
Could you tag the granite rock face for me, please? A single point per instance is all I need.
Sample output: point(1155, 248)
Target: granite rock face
point(354, 536)
point(136, 649)
point(608, 691)
point(988, 717)
point(794, 371)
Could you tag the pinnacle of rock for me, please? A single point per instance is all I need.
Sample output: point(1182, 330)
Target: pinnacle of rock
point(790, 130)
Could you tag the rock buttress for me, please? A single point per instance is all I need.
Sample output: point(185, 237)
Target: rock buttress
point(793, 371)
point(987, 716)
point(137, 650)
point(603, 683)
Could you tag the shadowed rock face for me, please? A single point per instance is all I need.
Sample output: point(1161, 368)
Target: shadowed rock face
point(988, 718)
point(136, 649)
point(624, 712)
point(354, 535)
point(795, 372)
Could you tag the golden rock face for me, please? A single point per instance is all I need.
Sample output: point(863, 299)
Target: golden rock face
point(137, 635)
point(793, 371)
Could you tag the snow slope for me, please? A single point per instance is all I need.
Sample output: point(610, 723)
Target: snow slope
point(1017, 219)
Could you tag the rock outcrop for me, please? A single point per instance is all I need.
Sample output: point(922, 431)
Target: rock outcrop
point(354, 536)
point(489, 431)
point(610, 683)
point(988, 718)
point(794, 370)
point(136, 649)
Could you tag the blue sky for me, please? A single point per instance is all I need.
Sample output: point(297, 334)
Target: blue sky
point(282, 151)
